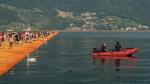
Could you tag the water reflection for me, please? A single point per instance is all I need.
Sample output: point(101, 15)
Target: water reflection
point(117, 68)
point(112, 67)
point(12, 72)
point(30, 61)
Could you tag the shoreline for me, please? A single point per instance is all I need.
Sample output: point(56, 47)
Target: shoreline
point(109, 31)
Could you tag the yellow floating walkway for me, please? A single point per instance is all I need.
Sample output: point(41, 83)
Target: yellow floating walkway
point(10, 57)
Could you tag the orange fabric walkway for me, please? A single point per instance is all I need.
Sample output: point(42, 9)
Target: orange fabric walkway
point(10, 57)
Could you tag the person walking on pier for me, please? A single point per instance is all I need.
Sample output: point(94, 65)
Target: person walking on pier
point(1, 39)
point(17, 39)
point(11, 39)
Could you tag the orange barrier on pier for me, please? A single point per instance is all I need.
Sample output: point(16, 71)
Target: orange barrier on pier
point(10, 57)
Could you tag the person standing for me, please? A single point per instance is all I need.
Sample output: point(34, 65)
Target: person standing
point(11, 39)
point(17, 39)
point(1, 39)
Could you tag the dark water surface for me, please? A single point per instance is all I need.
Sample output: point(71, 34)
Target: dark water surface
point(66, 59)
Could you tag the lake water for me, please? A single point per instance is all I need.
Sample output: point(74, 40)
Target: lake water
point(66, 59)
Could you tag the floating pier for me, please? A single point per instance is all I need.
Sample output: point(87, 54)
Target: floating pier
point(10, 57)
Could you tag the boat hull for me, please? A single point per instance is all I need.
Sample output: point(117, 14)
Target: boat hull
point(122, 53)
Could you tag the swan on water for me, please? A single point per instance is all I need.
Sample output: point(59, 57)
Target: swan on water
point(31, 59)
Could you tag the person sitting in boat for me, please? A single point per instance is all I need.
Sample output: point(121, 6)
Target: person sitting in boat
point(104, 48)
point(117, 46)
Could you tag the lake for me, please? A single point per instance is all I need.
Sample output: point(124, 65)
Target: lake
point(66, 59)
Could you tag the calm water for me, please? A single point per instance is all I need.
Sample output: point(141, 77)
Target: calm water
point(66, 59)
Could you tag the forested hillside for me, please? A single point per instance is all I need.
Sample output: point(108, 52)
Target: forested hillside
point(42, 13)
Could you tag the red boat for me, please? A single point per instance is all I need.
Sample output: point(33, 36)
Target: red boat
point(122, 53)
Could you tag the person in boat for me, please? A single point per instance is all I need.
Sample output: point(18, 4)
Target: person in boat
point(104, 48)
point(117, 46)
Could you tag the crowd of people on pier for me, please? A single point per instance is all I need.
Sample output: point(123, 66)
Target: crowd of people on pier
point(10, 39)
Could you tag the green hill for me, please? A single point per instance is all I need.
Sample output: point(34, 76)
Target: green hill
point(42, 13)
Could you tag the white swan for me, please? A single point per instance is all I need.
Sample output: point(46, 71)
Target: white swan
point(31, 59)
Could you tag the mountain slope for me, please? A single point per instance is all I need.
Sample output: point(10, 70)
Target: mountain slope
point(43, 12)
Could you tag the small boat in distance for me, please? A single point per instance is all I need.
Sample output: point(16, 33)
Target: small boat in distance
point(125, 52)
